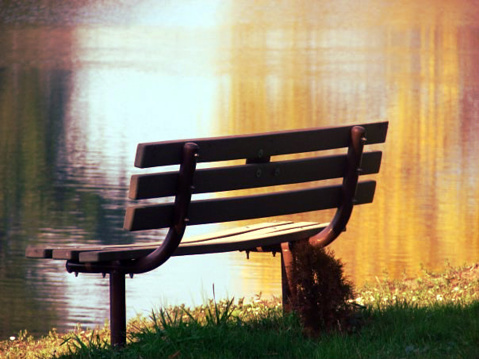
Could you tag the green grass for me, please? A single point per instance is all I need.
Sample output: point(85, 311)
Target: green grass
point(433, 316)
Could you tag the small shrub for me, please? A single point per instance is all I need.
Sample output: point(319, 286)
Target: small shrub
point(321, 295)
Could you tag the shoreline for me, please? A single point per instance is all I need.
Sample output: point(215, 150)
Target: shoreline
point(454, 287)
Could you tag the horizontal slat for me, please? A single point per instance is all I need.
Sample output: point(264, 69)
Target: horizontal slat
point(251, 175)
point(255, 146)
point(248, 240)
point(254, 240)
point(71, 252)
point(38, 251)
point(245, 207)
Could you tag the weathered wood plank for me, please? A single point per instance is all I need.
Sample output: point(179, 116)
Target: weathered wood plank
point(71, 252)
point(246, 207)
point(249, 240)
point(255, 146)
point(38, 251)
point(251, 175)
point(237, 231)
point(252, 240)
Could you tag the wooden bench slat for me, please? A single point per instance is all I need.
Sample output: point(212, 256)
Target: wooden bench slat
point(249, 240)
point(246, 207)
point(71, 252)
point(255, 146)
point(74, 253)
point(236, 231)
point(251, 175)
point(38, 251)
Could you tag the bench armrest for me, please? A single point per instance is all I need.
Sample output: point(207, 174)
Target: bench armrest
point(182, 201)
point(175, 233)
point(350, 182)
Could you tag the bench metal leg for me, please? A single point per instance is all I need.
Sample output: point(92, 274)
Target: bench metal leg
point(117, 309)
point(286, 276)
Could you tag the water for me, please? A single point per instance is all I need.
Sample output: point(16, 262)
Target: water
point(81, 84)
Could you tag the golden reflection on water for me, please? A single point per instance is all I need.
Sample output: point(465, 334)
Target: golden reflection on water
point(416, 71)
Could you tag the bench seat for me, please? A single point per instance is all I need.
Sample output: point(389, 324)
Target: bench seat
point(263, 237)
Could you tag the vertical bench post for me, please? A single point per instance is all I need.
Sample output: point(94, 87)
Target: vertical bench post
point(117, 308)
point(286, 276)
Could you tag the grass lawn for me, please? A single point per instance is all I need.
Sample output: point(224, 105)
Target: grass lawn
point(433, 316)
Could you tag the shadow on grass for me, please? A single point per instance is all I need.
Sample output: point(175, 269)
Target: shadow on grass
point(433, 316)
point(397, 331)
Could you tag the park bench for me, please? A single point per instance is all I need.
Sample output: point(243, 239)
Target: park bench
point(262, 166)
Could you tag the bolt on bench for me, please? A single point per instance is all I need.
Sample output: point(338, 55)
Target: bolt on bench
point(258, 171)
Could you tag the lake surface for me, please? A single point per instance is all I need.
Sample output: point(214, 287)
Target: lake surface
point(82, 82)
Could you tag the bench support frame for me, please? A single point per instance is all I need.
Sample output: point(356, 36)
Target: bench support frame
point(287, 286)
point(155, 259)
point(350, 183)
point(338, 223)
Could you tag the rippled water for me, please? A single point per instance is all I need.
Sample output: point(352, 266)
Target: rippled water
point(81, 83)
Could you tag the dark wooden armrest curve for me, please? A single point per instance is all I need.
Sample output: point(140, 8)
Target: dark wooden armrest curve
point(350, 182)
point(175, 233)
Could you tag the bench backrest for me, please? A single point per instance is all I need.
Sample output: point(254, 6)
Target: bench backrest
point(259, 170)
